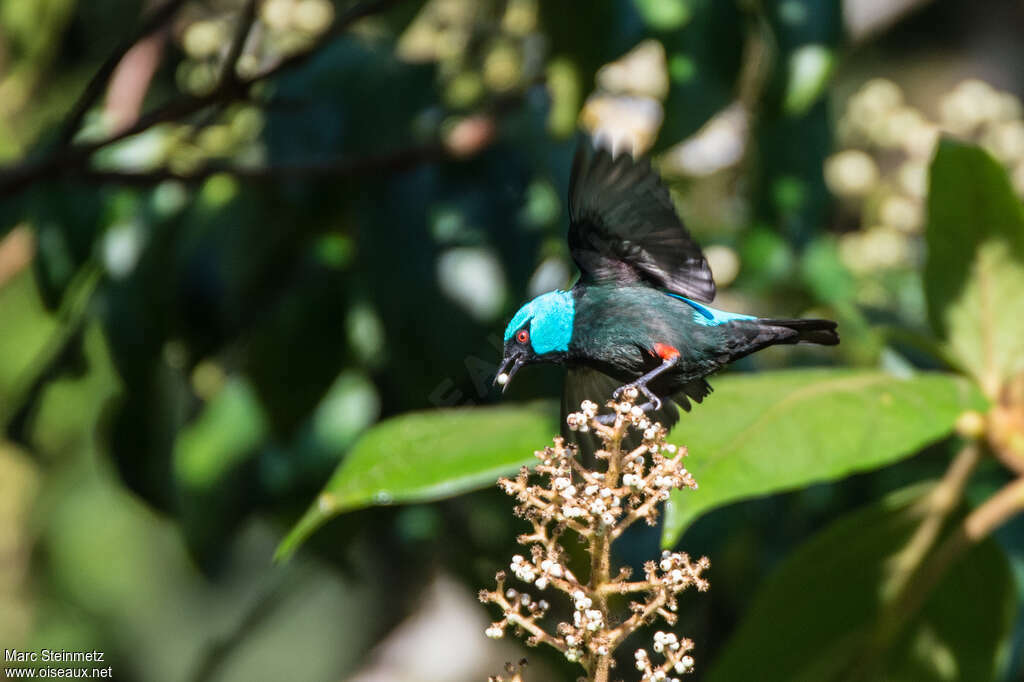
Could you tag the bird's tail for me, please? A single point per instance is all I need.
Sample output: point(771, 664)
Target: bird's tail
point(822, 332)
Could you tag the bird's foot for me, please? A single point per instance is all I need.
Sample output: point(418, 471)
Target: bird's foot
point(639, 388)
point(650, 406)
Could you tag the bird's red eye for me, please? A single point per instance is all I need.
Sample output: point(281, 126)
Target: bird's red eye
point(522, 336)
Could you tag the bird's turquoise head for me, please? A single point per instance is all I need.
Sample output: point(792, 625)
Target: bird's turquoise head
point(540, 332)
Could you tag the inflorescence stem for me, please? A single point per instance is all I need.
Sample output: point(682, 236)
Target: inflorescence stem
point(598, 506)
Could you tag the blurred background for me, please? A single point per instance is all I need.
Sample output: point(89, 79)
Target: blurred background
point(268, 225)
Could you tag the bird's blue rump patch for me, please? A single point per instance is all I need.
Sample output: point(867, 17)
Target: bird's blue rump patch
point(551, 316)
point(709, 317)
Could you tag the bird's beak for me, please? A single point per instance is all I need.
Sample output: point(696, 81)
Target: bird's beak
point(510, 364)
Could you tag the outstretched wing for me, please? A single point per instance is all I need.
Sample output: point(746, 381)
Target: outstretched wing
point(624, 228)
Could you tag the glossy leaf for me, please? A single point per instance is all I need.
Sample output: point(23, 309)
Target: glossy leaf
point(764, 433)
point(825, 600)
point(974, 276)
point(423, 456)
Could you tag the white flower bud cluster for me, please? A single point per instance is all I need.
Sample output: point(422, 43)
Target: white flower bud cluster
point(580, 421)
point(523, 569)
point(597, 506)
point(674, 651)
point(517, 607)
point(541, 570)
point(584, 616)
point(677, 572)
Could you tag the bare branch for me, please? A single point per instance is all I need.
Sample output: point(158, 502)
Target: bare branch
point(98, 83)
point(245, 22)
point(332, 168)
point(71, 159)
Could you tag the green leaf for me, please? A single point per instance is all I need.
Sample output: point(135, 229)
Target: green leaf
point(424, 456)
point(826, 600)
point(27, 327)
point(230, 427)
point(210, 458)
point(974, 274)
point(763, 433)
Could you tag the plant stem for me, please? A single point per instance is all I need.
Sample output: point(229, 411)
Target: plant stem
point(600, 569)
point(921, 579)
point(940, 503)
point(995, 511)
point(601, 560)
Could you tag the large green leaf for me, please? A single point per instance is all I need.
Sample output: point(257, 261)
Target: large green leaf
point(762, 433)
point(974, 276)
point(815, 619)
point(423, 456)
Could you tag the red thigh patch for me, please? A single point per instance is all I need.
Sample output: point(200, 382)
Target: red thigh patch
point(665, 351)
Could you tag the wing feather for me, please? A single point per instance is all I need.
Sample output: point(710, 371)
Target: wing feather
point(623, 227)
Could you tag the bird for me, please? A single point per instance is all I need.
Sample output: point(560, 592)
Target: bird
point(639, 315)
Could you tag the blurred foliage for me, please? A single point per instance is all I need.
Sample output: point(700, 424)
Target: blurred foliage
point(975, 261)
point(312, 240)
point(843, 575)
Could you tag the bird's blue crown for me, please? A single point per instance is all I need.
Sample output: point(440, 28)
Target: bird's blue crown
point(551, 317)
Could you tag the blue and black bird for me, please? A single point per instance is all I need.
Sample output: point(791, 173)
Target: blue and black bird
point(638, 315)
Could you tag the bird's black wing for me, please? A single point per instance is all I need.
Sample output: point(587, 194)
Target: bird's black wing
point(624, 228)
point(583, 383)
point(695, 390)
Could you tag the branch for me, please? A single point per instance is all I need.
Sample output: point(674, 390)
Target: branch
point(942, 500)
point(98, 83)
point(629, 626)
point(245, 22)
point(995, 511)
point(340, 25)
point(67, 159)
point(394, 161)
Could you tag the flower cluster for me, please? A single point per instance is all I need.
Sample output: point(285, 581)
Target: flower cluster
point(881, 169)
point(597, 505)
point(673, 650)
